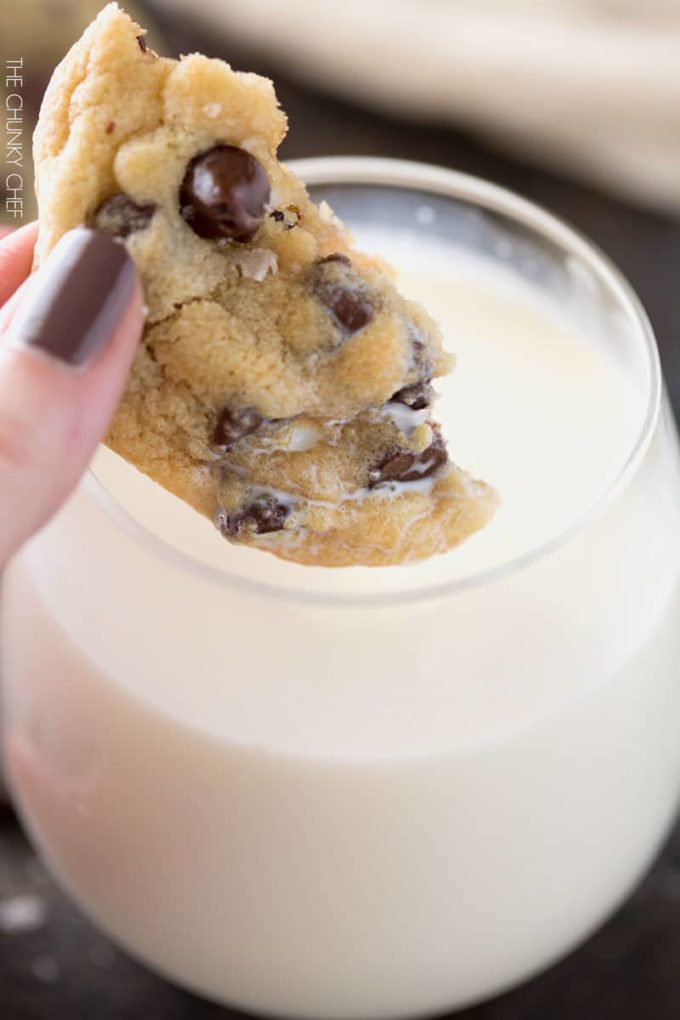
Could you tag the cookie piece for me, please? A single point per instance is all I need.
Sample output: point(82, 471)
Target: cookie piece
point(282, 386)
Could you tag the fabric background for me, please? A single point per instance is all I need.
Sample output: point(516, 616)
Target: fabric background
point(589, 86)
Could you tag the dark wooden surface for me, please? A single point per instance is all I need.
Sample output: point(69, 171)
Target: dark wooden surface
point(65, 970)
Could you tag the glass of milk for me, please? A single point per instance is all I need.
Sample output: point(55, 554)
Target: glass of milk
point(385, 792)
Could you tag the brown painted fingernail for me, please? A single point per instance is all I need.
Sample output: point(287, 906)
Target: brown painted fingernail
point(77, 298)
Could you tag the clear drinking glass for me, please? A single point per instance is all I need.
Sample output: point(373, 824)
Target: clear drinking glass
point(377, 794)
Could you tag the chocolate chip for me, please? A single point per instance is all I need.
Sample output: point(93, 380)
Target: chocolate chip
point(417, 397)
point(280, 217)
point(142, 43)
point(110, 127)
point(339, 290)
point(121, 216)
point(224, 194)
point(264, 515)
point(350, 309)
point(233, 424)
point(406, 466)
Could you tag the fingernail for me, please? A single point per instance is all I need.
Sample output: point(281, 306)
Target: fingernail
point(77, 298)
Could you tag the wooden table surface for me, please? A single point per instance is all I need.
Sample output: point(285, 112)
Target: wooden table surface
point(58, 966)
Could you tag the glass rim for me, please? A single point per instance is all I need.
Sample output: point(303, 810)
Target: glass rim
point(397, 173)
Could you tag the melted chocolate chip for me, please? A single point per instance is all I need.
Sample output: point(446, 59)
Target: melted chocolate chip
point(335, 257)
point(417, 397)
point(419, 348)
point(406, 466)
point(224, 194)
point(142, 43)
point(120, 216)
point(264, 515)
point(341, 293)
point(277, 215)
point(110, 127)
point(232, 425)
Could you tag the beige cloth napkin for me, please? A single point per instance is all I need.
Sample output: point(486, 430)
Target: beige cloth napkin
point(589, 86)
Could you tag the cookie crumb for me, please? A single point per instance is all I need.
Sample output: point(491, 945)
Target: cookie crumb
point(46, 969)
point(22, 914)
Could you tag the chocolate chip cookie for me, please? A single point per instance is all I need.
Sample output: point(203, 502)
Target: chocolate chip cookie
point(283, 385)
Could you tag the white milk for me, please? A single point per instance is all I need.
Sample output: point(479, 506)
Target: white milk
point(345, 794)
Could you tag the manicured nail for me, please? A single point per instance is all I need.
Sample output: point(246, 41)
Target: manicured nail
point(77, 298)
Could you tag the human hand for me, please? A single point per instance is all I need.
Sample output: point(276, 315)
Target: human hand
point(68, 335)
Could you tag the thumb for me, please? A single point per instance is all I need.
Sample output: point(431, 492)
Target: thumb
point(69, 339)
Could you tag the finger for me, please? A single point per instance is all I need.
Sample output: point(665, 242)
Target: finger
point(63, 366)
point(10, 306)
point(16, 256)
